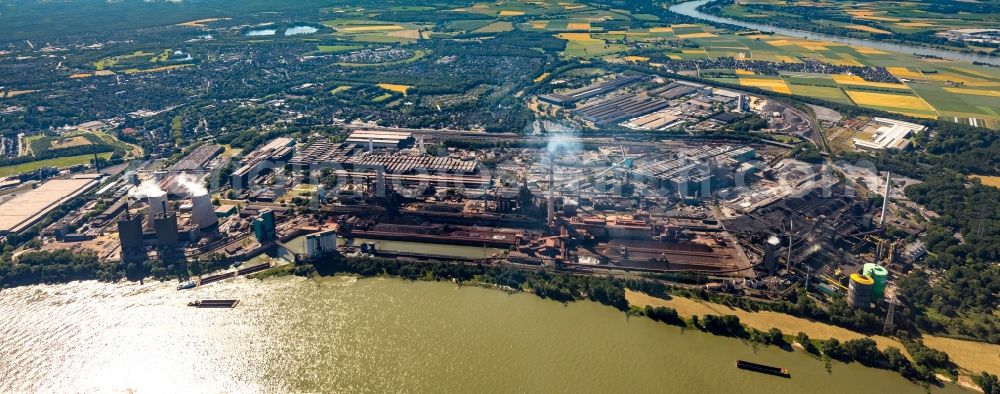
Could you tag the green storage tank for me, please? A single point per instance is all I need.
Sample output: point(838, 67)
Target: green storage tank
point(880, 275)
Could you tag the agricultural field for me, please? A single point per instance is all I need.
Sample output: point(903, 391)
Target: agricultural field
point(927, 88)
point(395, 88)
point(988, 180)
point(914, 22)
point(429, 46)
point(375, 31)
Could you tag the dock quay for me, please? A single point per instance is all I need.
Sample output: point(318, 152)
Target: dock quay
point(232, 274)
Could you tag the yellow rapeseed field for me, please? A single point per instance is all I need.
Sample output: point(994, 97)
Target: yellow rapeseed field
point(889, 100)
point(869, 51)
point(845, 79)
point(697, 35)
point(775, 85)
point(578, 26)
point(903, 72)
point(395, 88)
point(511, 13)
point(581, 37)
point(868, 29)
point(863, 14)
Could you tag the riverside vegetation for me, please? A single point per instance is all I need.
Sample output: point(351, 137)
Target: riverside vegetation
point(611, 291)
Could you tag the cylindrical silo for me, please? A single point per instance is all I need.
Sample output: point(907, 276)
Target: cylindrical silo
point(880, 275)
point(859, 290)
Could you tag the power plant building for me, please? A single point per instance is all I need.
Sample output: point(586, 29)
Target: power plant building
point(772, 250)
point(130, 236)
point(264, 227)
point(320, 244)
point(167, 233)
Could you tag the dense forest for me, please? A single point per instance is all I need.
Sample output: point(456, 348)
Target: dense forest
point(964, 289)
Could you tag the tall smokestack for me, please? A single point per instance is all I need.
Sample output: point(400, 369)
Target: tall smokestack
point(791, 234)
point(550, 204)
point(885, 200)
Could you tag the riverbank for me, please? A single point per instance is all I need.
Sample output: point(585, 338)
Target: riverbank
point(763, 320)
point(614, 292)
point(719, 9)
point(690, 9)
point(973, 357)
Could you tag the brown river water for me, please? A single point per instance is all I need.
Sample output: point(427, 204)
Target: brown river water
point(341, 334)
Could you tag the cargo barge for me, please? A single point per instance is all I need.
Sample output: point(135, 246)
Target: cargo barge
point(761, 368)
point(214, 303)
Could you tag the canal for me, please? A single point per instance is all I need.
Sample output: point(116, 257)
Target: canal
point(341, 334)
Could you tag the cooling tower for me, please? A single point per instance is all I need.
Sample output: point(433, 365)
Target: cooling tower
point(202, 211)
point(157, 203)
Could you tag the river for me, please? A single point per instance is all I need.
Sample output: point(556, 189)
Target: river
point(341, 334)
point(690, 8)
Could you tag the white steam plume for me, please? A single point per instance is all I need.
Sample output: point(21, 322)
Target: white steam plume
point(145, 189)
point(191, 184)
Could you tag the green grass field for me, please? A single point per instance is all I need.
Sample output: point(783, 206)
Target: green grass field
point(496, 27)
point(59, 162)
point(337, 48)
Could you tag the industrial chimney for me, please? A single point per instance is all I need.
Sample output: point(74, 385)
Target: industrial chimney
point(885, 200)
point(550, 208)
